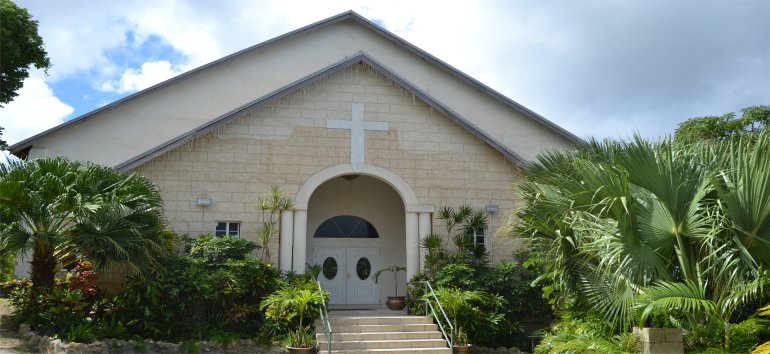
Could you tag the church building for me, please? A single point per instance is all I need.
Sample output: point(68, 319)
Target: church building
point(368, 134)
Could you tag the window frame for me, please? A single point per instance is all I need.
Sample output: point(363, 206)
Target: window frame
point(484, 235)
point(228, 230)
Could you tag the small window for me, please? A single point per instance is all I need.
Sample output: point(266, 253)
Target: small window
point(346, 226)
point(228, 228)
point(480, 237)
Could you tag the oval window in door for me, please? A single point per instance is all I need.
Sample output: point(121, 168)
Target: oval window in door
point(329, 268)
point(363, 268)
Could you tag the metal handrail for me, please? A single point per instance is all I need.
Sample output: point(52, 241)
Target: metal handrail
point(448, 338)
point(325, 319)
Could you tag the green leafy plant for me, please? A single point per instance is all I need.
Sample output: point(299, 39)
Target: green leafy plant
point(293, 307)
point(393, 269)
point(81, 333)
point(214, 251)
point(648, 231)
point(216, 289)
point(464, 308)
point(271, 206)
point(64, 211)
point(587, 335)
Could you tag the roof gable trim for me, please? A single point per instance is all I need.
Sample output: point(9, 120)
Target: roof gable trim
point(348, 15)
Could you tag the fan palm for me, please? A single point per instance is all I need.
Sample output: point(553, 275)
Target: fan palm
point(652, 224)
point(64, 211)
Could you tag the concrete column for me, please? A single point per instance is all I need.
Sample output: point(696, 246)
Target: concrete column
point(412, 245)
point(424, 229)
point(300, 241)
point(287, 235)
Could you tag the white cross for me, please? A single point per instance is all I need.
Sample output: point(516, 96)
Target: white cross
point(357, 127)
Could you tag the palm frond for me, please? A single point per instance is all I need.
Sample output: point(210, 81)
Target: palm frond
point(687, 297)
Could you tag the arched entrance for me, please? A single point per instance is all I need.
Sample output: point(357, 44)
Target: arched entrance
point(355, 227)
point(298, 226)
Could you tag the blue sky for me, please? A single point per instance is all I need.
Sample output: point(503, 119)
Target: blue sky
point(79, 91)
point(599, 68)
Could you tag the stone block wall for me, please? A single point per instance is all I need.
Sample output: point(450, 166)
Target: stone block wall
point(660, 340)
point(287, 142)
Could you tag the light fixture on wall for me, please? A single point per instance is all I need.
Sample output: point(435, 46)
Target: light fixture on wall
point(492, 208)
point(204, 202)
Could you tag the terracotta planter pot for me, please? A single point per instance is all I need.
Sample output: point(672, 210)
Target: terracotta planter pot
point(307, 350)
point(461, 349)
point(396, 303)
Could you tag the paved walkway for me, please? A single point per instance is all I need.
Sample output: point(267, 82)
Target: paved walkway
point(9, 341)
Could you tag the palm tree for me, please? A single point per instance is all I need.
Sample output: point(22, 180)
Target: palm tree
point(630, 228)
point(271, 207)
point(64, 211)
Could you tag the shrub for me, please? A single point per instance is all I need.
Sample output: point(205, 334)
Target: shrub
point(6, 268)
point(213, 251)
point(296, 303)
point(586, 335)
point(217, 288)
point(508, 298)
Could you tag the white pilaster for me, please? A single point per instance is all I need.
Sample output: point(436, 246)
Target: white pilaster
point(424, 229)
point(287, 240)
point(300, 241)
point(412, 245)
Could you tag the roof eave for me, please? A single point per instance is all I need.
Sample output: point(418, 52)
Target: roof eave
point(82, 118)
point(26, 143)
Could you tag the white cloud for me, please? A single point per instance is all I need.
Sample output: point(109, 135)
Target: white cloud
point(149, 74)
point(598, 67)
point(35, 110)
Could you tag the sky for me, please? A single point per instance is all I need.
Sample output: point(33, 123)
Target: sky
point(599, 68)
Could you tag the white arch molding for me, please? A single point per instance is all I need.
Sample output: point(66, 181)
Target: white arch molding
point(294, 223)
point(408, 196)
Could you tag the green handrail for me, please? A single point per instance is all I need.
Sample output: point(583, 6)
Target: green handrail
point(428, 304)
point(325, 319)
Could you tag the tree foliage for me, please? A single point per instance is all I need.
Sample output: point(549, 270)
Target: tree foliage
point(677, 233)
point(710, 128)
point(3, 143)
point(21, 47)
point(64, 212)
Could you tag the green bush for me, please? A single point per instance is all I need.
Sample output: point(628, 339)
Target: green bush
point(6, 268)
point(748, 334)
point(292, 308)
point(213, 251)
point(217, 288)
point(213, 293)
point(497, 322)
point(71, 306)
point(457, 275)
point(584, 335)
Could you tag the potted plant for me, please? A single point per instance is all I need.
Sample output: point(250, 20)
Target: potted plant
point(394, 302)
point(293, 307)
point(458, 303)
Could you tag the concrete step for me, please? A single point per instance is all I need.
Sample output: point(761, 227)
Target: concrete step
point(382, 333)
point(382, 336)
point(378, 320)
point(382, 328)
point(391, 351)
point(387, 344)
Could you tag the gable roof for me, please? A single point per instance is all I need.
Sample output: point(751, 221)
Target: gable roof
point(360, 58)
point(345, 16)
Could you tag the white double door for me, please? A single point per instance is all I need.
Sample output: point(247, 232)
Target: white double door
point(346, 273)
